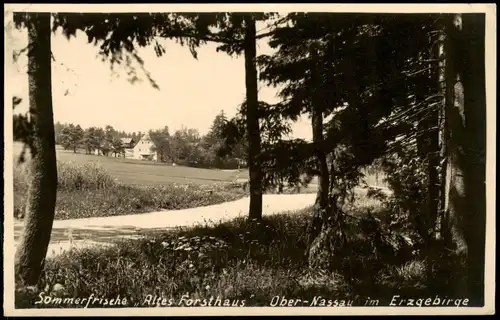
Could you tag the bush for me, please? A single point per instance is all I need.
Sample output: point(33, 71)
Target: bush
point(83, 177)
point(70, 177)
point(407, 177)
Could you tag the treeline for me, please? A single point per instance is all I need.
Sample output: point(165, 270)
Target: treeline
point(184, 147)
point(106, 140)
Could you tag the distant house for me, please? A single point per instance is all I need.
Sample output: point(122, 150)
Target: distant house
point(104, 149)
point(128, 145)
point(143, 149)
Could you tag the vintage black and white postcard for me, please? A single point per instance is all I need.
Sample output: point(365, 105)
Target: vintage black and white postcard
point(249, 159)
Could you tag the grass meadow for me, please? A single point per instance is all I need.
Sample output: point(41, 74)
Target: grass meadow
point(139, 172)
point(96, 186)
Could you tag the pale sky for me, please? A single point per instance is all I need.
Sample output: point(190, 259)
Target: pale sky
point(192, 92)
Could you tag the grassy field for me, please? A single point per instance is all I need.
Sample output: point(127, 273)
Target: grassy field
point(98, 186)
point(137, 172)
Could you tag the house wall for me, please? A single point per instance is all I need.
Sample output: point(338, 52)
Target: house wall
point(129, 153)
point(142, 150)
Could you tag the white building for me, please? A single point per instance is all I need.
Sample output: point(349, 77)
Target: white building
point(143, 149)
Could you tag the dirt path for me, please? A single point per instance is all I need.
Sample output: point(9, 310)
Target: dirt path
point(78, 233)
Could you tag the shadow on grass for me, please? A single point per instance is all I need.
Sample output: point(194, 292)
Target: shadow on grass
point(234, 260)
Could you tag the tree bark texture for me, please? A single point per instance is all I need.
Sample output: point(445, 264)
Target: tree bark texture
point(465, 197)
point(252, 120)
point(42, 189)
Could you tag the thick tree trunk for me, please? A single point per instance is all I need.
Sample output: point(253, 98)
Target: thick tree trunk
point(252, 120)
point(455, 205)
point(40, 207)
point(465, 205)
point(474, 83)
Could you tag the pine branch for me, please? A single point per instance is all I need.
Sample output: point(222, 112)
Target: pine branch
point(397, 117)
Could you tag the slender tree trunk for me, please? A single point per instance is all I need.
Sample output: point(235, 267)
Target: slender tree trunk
point(442, 137)
point(326, 235)
point(40, 207)
point(438, 144)
point(252, 120)
point(429, 142)
point(321, 203)
point(433, 183)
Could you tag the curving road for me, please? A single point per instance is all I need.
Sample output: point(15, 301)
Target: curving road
point(78, 233)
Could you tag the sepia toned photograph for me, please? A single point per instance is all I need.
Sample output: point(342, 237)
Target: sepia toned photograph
point(249, 159)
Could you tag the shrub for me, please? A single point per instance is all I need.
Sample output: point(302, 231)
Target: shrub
point(407, 178)
point(85, 177)
point(70, 177)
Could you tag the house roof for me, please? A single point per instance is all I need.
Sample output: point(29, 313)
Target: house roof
point(126, 140)
point(146, 137)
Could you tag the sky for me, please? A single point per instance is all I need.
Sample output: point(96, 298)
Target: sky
point(192, 92)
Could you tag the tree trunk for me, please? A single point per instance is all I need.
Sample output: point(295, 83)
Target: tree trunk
point(326, 235)
point(455, 204)
point(433, 184)
point(433, 152)
point(442, 137)
point(465, 202)
point(42, 190)
point(252, 120)
point(436, 168)
point(321, 203)
point(428, 149)
point(472, 69)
